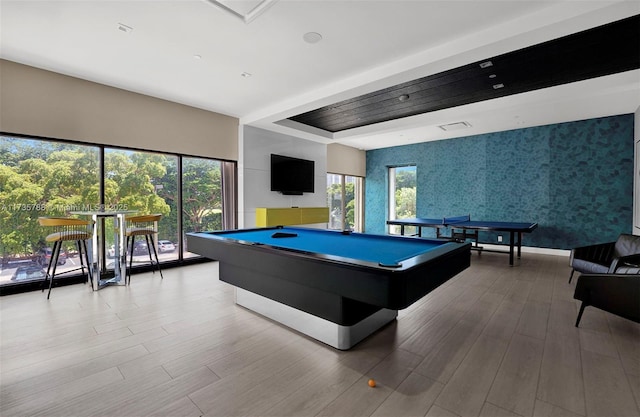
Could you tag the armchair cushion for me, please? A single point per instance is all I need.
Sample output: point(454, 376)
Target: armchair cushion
point(629, 264)
point(626, 245)
point(628, 270)
point(588, 267)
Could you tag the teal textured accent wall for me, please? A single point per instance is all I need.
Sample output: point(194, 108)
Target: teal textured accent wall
point(574, 179)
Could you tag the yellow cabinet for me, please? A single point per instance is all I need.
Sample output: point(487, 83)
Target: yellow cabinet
point(291, 216)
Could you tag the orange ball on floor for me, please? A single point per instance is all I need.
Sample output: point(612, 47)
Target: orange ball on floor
point(372, 383)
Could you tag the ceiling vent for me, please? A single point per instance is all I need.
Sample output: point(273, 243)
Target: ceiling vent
point(244, 10)
point(455, 126)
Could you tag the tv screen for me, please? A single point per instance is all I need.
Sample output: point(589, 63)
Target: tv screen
point(291, 176)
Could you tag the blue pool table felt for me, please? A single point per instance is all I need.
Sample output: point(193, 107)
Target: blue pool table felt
point(382, 249)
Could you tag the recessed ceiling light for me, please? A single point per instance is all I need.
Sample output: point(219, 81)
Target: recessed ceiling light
point(497, 86)
point(404, 97)
point(312, 37)
point(245, 75)
point(124, 28)
point(486, 64)
point(196, 56)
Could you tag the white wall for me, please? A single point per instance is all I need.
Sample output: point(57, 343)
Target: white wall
point(254, 171)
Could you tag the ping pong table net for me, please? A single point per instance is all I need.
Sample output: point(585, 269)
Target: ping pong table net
point(456, 219)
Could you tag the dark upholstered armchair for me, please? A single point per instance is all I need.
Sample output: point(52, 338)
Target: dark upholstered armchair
point(618, 294)
point(611, 257)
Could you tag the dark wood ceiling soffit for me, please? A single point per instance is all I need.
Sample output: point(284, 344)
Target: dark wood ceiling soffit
point(600, 51)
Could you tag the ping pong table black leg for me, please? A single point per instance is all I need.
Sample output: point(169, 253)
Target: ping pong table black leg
point(519, 244)
point(511, 246)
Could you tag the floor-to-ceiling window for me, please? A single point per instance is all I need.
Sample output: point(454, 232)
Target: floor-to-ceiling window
point(344, 198)
point(402, 196)
point(201, 196)
point(41, 177)
point(146, 183)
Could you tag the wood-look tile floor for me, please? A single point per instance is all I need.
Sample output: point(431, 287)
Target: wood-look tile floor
point(494, 341)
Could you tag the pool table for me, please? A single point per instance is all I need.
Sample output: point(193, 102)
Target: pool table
point(337, 287)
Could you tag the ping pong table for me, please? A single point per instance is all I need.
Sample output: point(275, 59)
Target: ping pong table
point(462, 228)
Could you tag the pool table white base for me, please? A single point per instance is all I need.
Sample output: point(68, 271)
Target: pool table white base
point(335, 335)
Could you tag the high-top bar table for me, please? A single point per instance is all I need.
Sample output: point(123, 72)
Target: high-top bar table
point(103, 275)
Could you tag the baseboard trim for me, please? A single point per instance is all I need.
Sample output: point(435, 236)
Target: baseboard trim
point(529, 249)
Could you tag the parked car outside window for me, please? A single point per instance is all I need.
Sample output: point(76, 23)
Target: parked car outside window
point(27, 272)
point(44, 256)
point(140, 248)
point(166, 246)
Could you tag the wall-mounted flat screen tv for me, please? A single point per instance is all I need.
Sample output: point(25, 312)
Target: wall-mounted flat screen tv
point(292, 176)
